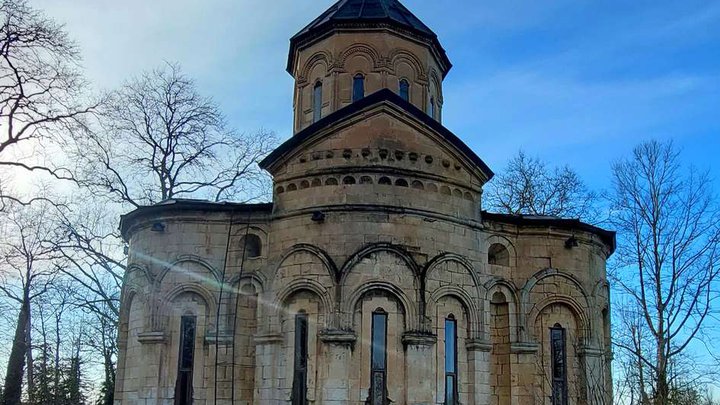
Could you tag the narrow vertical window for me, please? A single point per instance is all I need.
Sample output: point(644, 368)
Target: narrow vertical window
point(183, 386)
point(378, 366)
point(431, 107)
point(358, 87)
point(404, 90)
point(559, 365)
point(451, 379)
point(317, 102)
point(300, 370)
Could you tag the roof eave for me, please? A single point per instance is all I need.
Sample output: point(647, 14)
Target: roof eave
point(383, 95)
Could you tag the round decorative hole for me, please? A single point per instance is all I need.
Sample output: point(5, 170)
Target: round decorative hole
point(329, 154)
point(383, 153)
point(366, 153)
point(428, 159)
point(413, 156)
point(399, 155)
point(347, 153)
point(446, 163)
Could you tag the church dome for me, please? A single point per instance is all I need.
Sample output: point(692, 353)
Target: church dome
point(349, 14)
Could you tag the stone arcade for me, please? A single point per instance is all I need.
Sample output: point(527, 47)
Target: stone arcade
point(373, 277)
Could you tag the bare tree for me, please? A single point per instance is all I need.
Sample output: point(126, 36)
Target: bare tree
point(668, 261)
point(26, 275)
point(529, 187)
point(40, 89)
point(161, 139)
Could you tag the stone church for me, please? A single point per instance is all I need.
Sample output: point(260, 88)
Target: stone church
point(373, 276)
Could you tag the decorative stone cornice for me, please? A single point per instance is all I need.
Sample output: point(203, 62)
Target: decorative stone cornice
point(478, 345)
point(268, 338)
point(338, 337)
point(151, 337)
point(418, 339)
point(524, 347)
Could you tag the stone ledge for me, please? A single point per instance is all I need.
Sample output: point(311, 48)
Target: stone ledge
point(478, 345)
point(590, 351)
point(222, 339)
point(268, 338)
point(418, 339)
point(338, 337)
point(524, 347)
point(151, 337)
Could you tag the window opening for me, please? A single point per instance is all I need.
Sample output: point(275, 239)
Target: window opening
point(299, 388)
point(559, 365)
point(404, 90)
point(451, 388)
point(358, 87)
point(378, 362)
point(317, 102)
point(184, 384)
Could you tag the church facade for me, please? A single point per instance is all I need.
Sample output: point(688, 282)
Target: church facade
point(373, 276)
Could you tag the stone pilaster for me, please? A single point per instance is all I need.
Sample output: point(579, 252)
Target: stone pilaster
point(267, 348)
point(335, 388)
point(523, 366)
point(420, 368)
point(479, 370)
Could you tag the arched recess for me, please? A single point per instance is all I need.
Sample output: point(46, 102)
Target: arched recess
point(451, 308)
point(166, 304)
point(195, 268)
point(364, 50)
point(133, 321)
point(392, 304)
point(453, 275)
point(408, 307)
point(497, 239)
point(436, 86)
point(319, 58)
point(307, 301)
point(386, 266)
point(561, 312)
point(303, 266)
point(397, 56)
point(187, 301)
point(510, 294)
point(138, 274)
point(551, 284)
point(252, 245)
point(244, 324)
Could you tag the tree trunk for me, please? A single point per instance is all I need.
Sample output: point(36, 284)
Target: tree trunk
point(16, 362)
point(29, 356)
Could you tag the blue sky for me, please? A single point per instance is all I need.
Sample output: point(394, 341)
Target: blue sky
point(574, 82)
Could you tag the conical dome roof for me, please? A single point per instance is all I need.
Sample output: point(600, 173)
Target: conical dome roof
point(346, 13)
